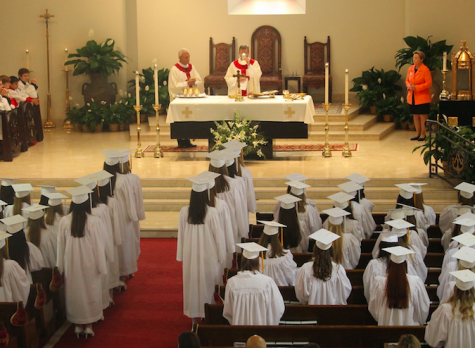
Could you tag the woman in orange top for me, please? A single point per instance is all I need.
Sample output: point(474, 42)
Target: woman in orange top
point(418, 82)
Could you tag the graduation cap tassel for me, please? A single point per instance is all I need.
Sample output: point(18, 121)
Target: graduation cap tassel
point(408, 235)
point(6, 245)
point(98, 192)
point(281, 236)
point(262, 258)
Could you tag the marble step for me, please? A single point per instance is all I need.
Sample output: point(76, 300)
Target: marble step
point(376, 132)
point(358, 123)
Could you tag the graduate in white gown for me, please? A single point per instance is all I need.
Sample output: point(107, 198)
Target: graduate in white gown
point(410, 216)
point(252, 298)
point(456, 229)
point(22, 200)
point(399, 299)
point(7, 193)
point(361, 180)
point(452, 325)
point(352, 226)
point(38, 234)
point(201, 248)
point(295, 239)
point(248, 67)
point(465, 197)
point(82, 260)
point(419, 203)
point(302, 178)
point(322, 281)
point(233, 172)
point(279, 263)
point(55, 211)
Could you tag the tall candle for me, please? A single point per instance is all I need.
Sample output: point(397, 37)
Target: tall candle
point(155, 77)
point(326, 83)
point(137, 89)
point(346, 87)
point(27, 59)
point(445, 62)
point(65, 59)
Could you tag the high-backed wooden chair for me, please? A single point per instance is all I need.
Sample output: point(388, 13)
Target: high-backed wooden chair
point(266, 48)
point(220, 57)
point(316, 54)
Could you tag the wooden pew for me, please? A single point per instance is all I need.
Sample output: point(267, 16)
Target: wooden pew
point(434, 231)
point(325, 336)
point(13, 142)
point(435, 246)
point(18, 334)
point(434, 260)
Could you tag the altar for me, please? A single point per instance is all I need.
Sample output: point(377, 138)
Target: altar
point(192, 118)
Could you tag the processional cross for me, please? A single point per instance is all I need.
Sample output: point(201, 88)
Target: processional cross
point(49, 122)
point(238, 77)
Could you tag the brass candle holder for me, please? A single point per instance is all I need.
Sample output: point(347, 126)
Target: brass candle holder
point(67, 126)
point(444, 95)
point(327, 152)
point(158, 151)
point(346, 148)
point(139, 151)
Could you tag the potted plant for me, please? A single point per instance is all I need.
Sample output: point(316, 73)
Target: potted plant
point(387, 107)
point(98, 61)
point(403, 115)
point(75, 116)
point(94, 117)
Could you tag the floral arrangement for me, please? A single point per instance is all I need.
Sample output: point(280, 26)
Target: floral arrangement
point(239, 129)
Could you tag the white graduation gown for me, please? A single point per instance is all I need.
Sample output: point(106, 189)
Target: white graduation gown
point(415, 314)
point(365, 202)
point(351, 251)
point(82, 261)
point(448, 291)
point(54, 227)
point(15, 284)
point(447, 238)
point(351, 227)
point(237, 208)
point(367, 221)
point(200, 248)
point(117, 215)
point(251, 194)
point(36, 261)
point(48, 247)
point(177, 80)
point(313, 291)
point(445, 277)
point(252, 85)
point(253, 299)
point(8, 212)
point(241, 187)
point(430, 216)
point(227, 230)
point(281, 269)
point(139, 214)
point(447, 217)
point(445, 330)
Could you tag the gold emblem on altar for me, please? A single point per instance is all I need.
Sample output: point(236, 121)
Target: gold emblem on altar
point(453, 121)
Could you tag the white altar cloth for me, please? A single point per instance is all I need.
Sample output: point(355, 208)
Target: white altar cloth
point(216, 108)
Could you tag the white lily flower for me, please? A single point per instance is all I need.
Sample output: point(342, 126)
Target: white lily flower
point(91, 34)
point(384, 96)
point(115, 103)
point(77, 105)
point(70, 98)
point(121, 92)
point(164, 83)
point(142, 79)
point(126, 102)
point(110, 42)
point(147, 88)
point(379, 80)
point(103, 102)
point(89, 111)
point(88, 104)
point(128, 94)
point(402, 99)
point(93, 100)
point(365, 87)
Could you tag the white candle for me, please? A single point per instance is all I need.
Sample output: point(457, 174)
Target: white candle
point(445, 62)
point(155, 77)
point(65, 58)
point(137, 89)
point(346, 87)
point(326, 83)
point(27, 59)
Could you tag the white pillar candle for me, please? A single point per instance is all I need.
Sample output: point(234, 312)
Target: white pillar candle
point(137, 89)
point(326, 83)
point(346, 87)
point(155, 77)
point(27, 59)
point(65, 58)
point(445, 62)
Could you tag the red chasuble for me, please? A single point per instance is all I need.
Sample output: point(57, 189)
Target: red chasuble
point(243, 69)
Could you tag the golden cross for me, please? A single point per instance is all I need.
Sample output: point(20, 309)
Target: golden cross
point(238, 76)
point(46, 16)
point(289, 112)
point(187, 112)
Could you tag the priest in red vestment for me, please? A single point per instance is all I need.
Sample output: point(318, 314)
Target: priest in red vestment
point(251, 70)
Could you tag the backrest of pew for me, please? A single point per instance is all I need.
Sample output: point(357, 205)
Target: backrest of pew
point(434, 231)
point(255, 231)
point(365, 258)
point(434, 260)
point(288, 292)
point(379, 218)
point(435, 246)
point(264, 216)
point(7, 309)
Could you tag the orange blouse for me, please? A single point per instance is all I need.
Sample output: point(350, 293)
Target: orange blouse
point(422, 79)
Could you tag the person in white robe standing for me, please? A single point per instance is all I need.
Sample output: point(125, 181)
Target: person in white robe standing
point(452, 325)
point(465, 197)
point(82, 260)
point(252, 298)
point(399, 299)
point(21, 200)
point(250, 68)
point(201, 249)
point(322, 281)
point(233, 172)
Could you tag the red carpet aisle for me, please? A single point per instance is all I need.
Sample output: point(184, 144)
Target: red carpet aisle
point(150, 312)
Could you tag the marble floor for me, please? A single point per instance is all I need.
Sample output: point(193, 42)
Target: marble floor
point(73, 155)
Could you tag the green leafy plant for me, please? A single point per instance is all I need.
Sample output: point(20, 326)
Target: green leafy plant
point(239, 129)
point(97, 58)
point(433, 51)
point(76, 114)
point(387, 105)
point(147, 90)
point(403, 115)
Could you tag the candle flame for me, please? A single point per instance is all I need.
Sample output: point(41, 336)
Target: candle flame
point(346, 71)
point(27, 51)
point(65, 50)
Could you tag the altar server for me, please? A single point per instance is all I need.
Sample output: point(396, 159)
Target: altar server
point(18, 95)
point(252, 298)
point(294, 237)
point(201, 249)
point(341, 200)
point(24, 85)
point(279, 263)
point(22, 200)
point(362, 180)
point(420, 204)
point(82, 260)
point(248, 67)
point(7, 193)
point(55, 211)
point(465, 197)
point(5, 101)
point(15, 286)
point(399, 299)
point(322, 281)
point(452, 325)
point(38, 234)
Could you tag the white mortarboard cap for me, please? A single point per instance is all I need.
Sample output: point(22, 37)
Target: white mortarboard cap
point(14, 223)
point(217, 158)
point(408, 210)
point(47, 189)
point(399, 224)
point(336, 215)
point(3, 235)
point(124, 153)
point(358, 178)
point(287, 201)
point(35, 211)
point(295, 177)
point(399, 253)
point(466, 255)
point(324, 238)
point(396, 214)
point(466, 225)
point(251, 250)
point(466, 189)
point(7, 181)
point(418, 186)
point(468, 215)
point(463, 210)
point(80, 194)
point(350, 187)
point(55, 199)
point(341, 199)
point(2, 203)
point(464, 280)
point(466, 239)
point(230, 157)
point(103, 178)
point(202, 180)
point(234, 145)
point(389, 237)
point(112, 157)
point(89, 180)
point(22, 190)
point(271, 227)
point(406, 190)
point(297, 187)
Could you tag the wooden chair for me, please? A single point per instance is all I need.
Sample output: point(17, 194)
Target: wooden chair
point(266, 48)
point(220, 57)
point(315, 58)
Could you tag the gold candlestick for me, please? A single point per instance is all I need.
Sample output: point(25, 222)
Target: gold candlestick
point(67, 126)
point(326, 149)
point(138, 152)
point(49, 121)
point(346, 148)
point(158, 151)
point(444, 95)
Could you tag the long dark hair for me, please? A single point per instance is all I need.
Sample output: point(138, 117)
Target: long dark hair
point(419, 201)
point(301, 205)
point(221, 185)
point(51, 213)
point(104, 193)
point(322, 263)
point(34, 230)
point(383, 254)
point(79, 217)
point(3, 255)
point(361, 193)
point(43, 200)
point(233, 170)
point(7, 194)
point(249, 265)
point(112, 170)
point(412, 220)
point(19, 250)
point(402, 200)
point(276, 249)
point(349, 209)
point(397, 285)
point(18, 204)
point(188, 339)
point(95, 197)
point(199, 203)
point(292, 235)
point(355, 198)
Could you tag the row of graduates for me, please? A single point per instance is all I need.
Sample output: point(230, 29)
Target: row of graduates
point(95, 243)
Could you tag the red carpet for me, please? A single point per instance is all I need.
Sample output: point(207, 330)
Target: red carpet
point(277, 148)
point(150, 312)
